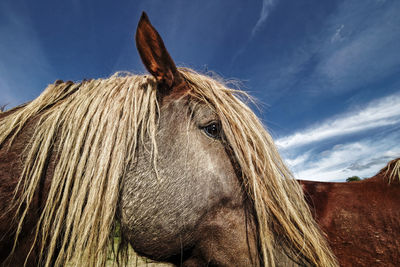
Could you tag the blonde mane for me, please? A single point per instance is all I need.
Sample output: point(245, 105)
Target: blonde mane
point(284, 219)
point(392, 170)
point(95, 126)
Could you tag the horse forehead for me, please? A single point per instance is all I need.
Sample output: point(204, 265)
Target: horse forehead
point(186, 107)
point(203, 112)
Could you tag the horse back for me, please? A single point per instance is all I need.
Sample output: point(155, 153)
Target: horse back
point(361, 219)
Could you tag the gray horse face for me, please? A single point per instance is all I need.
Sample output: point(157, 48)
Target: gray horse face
point(193, 211)
point(194, 208)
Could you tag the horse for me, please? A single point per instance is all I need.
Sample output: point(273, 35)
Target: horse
point(176, 161)
point(361, 218)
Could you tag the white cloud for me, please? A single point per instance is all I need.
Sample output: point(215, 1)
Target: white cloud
point(338, 36)
point(299, 160)
point(363, 158)
point(265, 10)
point(379, 113)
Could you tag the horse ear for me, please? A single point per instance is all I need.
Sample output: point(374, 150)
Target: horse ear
point(155, 56)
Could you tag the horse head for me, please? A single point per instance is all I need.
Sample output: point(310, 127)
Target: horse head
point(188, 205)
point(197, 204)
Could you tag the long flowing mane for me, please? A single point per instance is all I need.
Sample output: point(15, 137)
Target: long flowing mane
point(93, 129)
point(284, 219)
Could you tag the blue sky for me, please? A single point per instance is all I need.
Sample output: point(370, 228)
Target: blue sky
point(326, 73)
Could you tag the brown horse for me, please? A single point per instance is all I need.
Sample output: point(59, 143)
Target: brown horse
point(175, 160)
point(361, 219)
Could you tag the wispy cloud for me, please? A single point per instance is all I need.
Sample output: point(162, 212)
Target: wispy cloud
point(267, 5)
point(379, 113)
point(338, 36)
point(354, 46)
point(359, 46)
point(265, 10)
point(362, 158)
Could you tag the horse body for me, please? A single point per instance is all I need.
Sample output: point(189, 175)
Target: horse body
point(10, 170)
point(361, 219)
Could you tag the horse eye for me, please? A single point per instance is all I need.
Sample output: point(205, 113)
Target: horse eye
point(213, 130)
